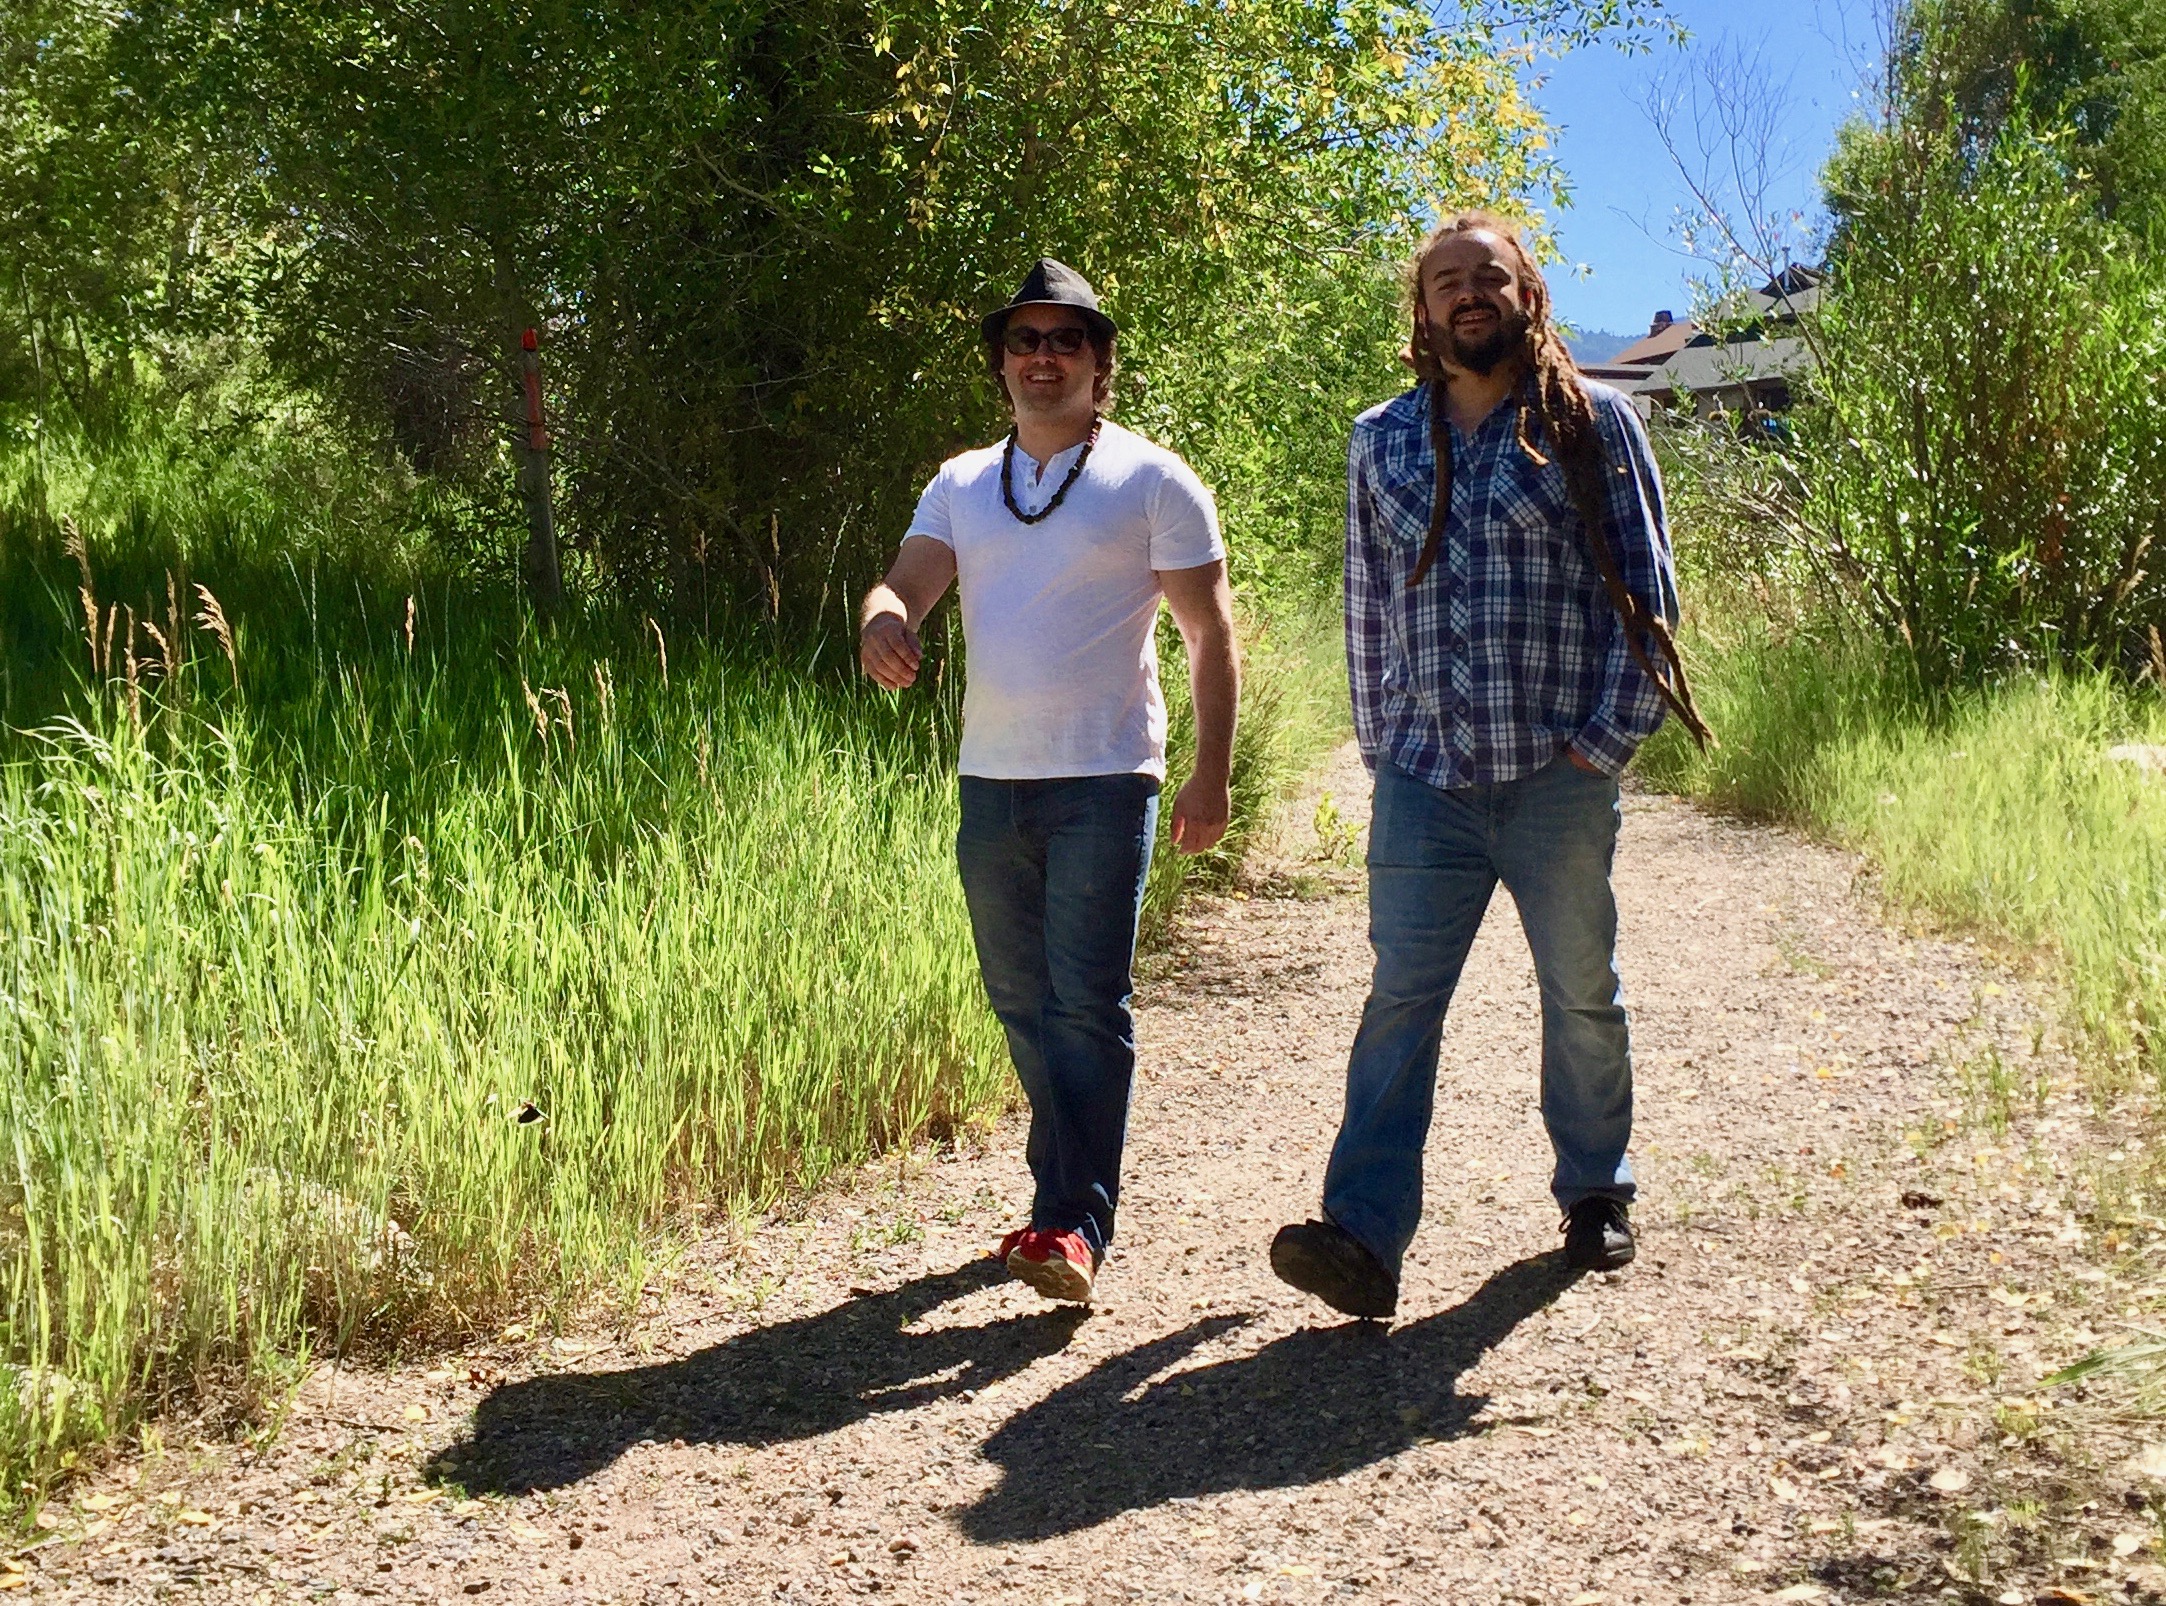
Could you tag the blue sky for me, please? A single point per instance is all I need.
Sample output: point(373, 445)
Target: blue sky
point(1813, 55)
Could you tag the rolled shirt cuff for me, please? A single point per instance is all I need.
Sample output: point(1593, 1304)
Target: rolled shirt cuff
point(1604, 746)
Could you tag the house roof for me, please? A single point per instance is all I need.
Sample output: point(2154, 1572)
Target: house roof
point(1682, 356)
point(1650, 349)
point(1707, 365)
point(1791, 293)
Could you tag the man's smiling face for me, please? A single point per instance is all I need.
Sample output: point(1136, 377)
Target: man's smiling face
point(1044, 381)
point(1474, 302)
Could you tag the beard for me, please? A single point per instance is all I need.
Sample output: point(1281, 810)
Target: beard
point(1025, 398)
point(1482, 356)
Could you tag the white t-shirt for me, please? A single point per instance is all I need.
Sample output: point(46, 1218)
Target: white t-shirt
point(1059, 616)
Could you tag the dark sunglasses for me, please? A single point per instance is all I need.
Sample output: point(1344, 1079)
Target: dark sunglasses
point(1065, 341)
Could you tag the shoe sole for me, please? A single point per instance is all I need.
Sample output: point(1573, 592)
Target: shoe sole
point(1603, 1262)
point(1323, 1278)
point(1056, 1278)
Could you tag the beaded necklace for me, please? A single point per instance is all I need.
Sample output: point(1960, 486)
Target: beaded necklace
point(1007, 463)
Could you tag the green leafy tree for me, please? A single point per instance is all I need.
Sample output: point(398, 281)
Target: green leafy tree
point(1981, 463)
point(90, 240)
point(757, 236)
point(2097, 66)
point(1991, 462)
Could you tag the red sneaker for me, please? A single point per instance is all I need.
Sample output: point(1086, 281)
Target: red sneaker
point(1058, 1264)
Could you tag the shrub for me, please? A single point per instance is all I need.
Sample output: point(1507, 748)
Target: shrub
point(1988, 461)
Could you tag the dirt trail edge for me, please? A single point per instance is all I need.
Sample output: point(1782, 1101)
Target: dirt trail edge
point(1815, 1384)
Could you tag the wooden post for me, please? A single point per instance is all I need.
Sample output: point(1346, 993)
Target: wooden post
point(545, 579)
point(37, 358)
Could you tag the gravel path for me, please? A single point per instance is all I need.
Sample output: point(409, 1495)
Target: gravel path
point(1811, 1386)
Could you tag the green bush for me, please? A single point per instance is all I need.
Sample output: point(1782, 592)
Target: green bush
point(1980, 470)
point(1781, 696)
point(1977, 467)
point(1990, 464)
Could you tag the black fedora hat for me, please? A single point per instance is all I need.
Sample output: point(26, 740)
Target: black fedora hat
point(1053, 284)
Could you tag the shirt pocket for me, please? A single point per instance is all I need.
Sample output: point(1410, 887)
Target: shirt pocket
point(1534, 530)
point(1402, 498)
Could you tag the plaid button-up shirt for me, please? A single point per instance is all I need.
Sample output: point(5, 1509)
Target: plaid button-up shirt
point(1509, 649)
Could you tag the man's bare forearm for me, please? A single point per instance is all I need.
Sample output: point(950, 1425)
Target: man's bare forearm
point(884, 599)
point(887, 625)
point(1202, 604)
point(1214, 678)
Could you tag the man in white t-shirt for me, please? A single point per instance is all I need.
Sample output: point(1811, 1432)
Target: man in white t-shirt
point(1061, 541)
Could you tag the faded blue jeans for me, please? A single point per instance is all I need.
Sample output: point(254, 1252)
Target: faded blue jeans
point(1435, 857)
point(1053, 872)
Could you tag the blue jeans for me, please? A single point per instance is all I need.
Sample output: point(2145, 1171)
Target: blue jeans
point(1434, 859)
point(1053, 872)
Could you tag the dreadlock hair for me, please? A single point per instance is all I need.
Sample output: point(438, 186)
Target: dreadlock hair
point(1551, 403)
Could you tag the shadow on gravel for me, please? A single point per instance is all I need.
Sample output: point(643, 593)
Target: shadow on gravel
point(1308, 1407)
point(789, 1381)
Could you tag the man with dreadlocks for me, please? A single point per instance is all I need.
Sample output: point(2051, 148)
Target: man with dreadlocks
point(1509, 597)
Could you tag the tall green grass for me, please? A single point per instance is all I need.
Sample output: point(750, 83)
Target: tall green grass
point(404, 967)
point(1999, 810)
point(368, 1027)
point(1293, 710)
